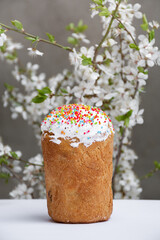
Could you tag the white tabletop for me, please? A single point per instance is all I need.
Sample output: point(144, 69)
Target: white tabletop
point(130, 220)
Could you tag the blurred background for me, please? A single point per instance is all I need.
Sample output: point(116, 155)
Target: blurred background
point(39, 17)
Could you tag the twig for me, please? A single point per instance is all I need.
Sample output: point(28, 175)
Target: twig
point(150, 174)
point(128, 33)
point(107, 32)
point(136, 89)
point(33, 36)
point(21, 160)
point(14, 174)
point(122, 58)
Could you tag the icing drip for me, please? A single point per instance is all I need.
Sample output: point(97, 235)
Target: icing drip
point(79, 123)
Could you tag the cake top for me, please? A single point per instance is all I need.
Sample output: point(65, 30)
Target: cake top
point(77, 122)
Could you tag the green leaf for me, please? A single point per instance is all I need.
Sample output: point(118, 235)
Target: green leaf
point(14, 155)
point(144, 18)
point(3, 159)
point(81, 27)
point(142, 90)
point(121, 130)
point(124, 116)
point(39, 98)
point(108, 61)
point(86, 61)
point(17, 24)
point(70, 27)
point(126, 122)
point(3, 48)
point(5, 176)
point(105, 107)
point(150, 174)
point(11, 57)
point(151, 35)
point(66, 48)
point(45, 90)
point(26, 165)
point(51, 37)
point(2, 31)
point(110, 81)
point(8, 87)
point(157, 165)
point(105, 12)
point(63, 90)
point(98, 2)
point(144, 26)
point(118, 169)
point(134, 46)
point(32, 39)
point(141, 69)
point(121, 26)
point(72, 40)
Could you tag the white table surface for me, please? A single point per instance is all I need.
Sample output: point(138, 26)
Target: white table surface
point(29, 220)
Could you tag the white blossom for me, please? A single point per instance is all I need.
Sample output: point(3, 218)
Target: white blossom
point(12, 46)
point(16, 168)
point(88, 52)
point(74, 58)
point(34, 52)
point(148, 51)
point(3, 38)
point(154, 24)
point(22, 192)
point(93, 9)
point(109, 43)
point(81, 36)
point(136, 8)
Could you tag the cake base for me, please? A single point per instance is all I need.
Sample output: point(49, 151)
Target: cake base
point(78, 180)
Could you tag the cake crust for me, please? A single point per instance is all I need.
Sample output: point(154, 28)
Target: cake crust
point(78, 180)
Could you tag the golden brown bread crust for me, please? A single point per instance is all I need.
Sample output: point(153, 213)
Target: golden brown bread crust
point(78, 180)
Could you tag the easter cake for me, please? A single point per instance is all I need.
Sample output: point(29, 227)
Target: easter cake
point(77, 144)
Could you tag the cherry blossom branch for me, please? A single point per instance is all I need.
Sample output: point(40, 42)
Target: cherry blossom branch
point(20, 179)
point(14, 174)
point(122, 58)
point(21, 160)
point(136, 89)
point(134, 41)
point(34, 36)
point(107, 32)
point(153, 171)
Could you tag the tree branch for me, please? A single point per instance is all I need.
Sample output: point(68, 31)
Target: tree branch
point(122, 58)
point(150, 174)
point(33, 36)
point(14, 174)
point(21, 160)
point(128, 33)
point(107, 32)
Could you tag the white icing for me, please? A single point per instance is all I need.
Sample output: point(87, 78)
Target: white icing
point(86, 134)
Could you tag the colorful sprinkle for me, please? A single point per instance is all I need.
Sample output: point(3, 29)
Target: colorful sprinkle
point(78, 121)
